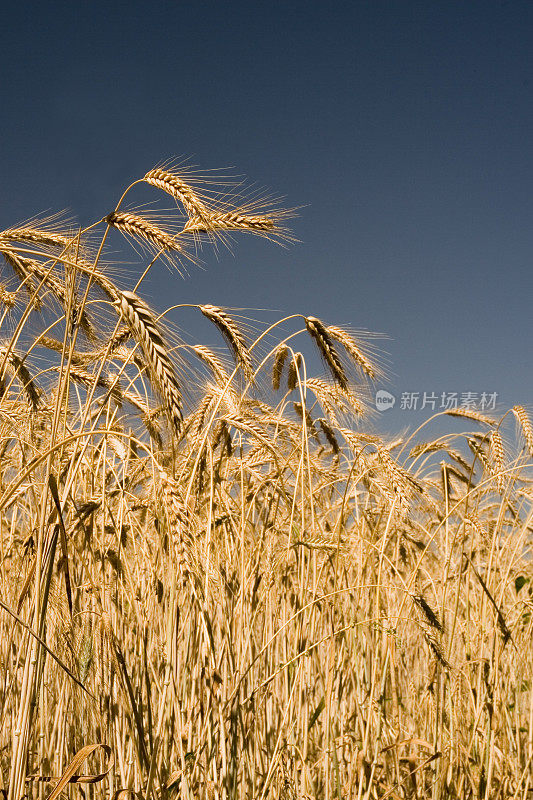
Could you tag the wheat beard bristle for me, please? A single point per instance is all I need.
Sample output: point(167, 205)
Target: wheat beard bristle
point(144, 330)
point(321, 336)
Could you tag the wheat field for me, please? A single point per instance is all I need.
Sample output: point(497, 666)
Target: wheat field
point(218, 580)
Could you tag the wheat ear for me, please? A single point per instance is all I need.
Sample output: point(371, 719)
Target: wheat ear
point(18, 369)
point(213, 362)
point(497, 458)
point(232, 335)
point(353, 349)
point(525, 423)
point(280, 356)
point(321, 336)
point(173, 185)
point(294, 368)
point(141, 228)
point(36, 236)
point(144, 329)
point(178, 521)
point(329, 433)
point(228, 221)
point(469, 413)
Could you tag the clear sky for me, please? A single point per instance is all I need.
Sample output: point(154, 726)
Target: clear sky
point(404, 128)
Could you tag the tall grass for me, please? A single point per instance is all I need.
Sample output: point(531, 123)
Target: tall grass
point(214, 589)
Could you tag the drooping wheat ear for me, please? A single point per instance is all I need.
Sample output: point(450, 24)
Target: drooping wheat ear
point(19, 370)
point(178, 521)
point(173, 185)
point(57, 346)
point(321, 336)
point(119, 338)
point(329, 433)
point(19, 266)
point(294, 369)
point(223, 435)
point(436, 647)
point(142, 229)
point(84, 378)
point(7, 298)
point(331, 398)
point(229, 221)
point(469, 413)
point(458, 458)
point(249, 425)
point(144, 329)
point(151, 425)
point(400, 480)
point(428, 612)
point(198, 418)
point(36, 236)
point(353, 349)
point(525, 424)
point(426, 447)
point(33, 273)
point(233, 336)
point(497, 454)
point(477, 446)
point(280, 356)
point(213, 362)
point(303, 413)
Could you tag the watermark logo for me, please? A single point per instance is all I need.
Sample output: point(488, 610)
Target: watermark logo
point(437, 401)
point(384, 400)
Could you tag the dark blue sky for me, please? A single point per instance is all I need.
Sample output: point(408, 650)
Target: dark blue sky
point(404, 128)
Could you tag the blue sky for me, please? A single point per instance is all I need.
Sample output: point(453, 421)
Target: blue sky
point(403, 129)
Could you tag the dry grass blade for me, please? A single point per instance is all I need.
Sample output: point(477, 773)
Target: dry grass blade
point(70, 776)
